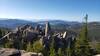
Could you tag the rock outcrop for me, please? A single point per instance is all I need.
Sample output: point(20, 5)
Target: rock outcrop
point(47, 29)
point(25, 32)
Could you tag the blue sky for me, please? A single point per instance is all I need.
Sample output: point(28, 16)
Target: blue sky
point(69, 10)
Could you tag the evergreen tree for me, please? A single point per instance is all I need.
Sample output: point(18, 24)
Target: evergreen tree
point(8, 44)
point(29, 47)
point(52, 50)
point(45, 52)
point(60, 52)
point(68, 51)
point(98, 48)
point(0, 38)
point(82, 47)
point(37, 47)
point(4, 42)
point(23, 45)
point(0, 33)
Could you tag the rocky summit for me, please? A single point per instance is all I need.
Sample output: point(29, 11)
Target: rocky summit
point(26, 40)
point(26, 37)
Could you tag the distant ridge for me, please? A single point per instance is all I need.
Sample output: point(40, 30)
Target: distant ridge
point(13, 23)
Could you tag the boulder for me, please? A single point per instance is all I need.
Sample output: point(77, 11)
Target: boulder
point(15, 52)
point(9, 52)
point(97, 55)
point(31, 54)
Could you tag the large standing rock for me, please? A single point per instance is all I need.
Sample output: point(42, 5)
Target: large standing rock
point(47, 29)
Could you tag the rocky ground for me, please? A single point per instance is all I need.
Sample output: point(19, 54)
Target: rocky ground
point(15, 52)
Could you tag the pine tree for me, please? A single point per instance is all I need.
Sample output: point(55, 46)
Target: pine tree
point(8, 44)
point(82, 47)
point(4, 43)
point(29, 47)
point(60, 52)
point(0, 37)
point(98, 48)
point(52, 50)
point(68, 51)
point(37, 47)
point(0, 33)
point(45, 52)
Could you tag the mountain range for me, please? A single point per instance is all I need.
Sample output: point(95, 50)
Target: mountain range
point(93, 27)
point(13, 23)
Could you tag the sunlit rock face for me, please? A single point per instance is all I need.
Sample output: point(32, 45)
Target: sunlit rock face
point(47, 29)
